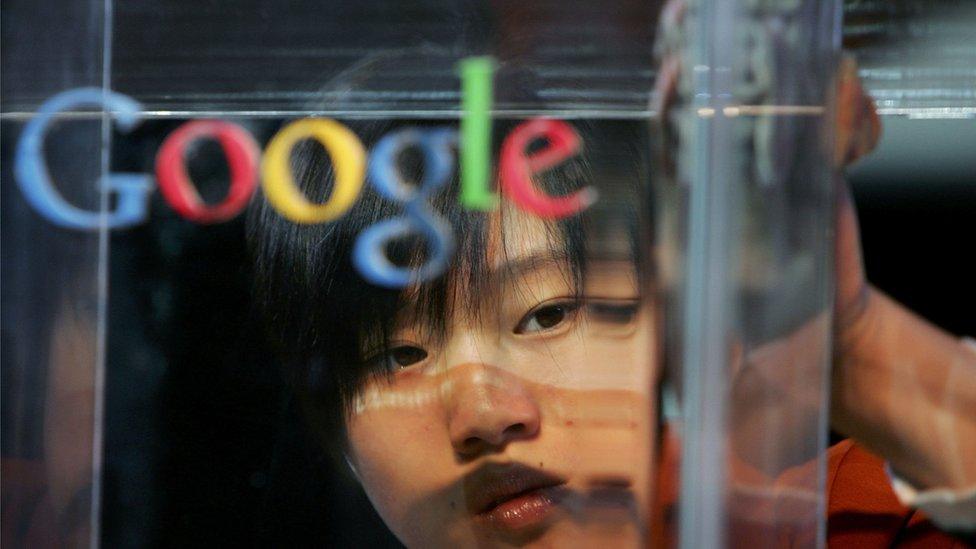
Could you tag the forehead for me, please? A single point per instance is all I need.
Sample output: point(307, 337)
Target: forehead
point(524, 250)
point(514, 236)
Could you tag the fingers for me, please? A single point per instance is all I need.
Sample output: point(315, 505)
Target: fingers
point(858, 125)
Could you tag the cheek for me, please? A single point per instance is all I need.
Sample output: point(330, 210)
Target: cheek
point(402, 455)
point(606, 410)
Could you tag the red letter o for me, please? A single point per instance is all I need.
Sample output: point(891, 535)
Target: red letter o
point(174, 181)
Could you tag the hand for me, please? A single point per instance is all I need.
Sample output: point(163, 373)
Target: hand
point(900, 386)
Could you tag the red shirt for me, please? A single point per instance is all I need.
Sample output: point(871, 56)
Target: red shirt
point(862, 509)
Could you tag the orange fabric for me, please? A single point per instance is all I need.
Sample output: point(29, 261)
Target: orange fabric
point(862, 510)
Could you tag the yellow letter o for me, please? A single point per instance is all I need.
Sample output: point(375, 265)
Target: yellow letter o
point(348, 161)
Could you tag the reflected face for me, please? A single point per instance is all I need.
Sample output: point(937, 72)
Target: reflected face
point(528, 422)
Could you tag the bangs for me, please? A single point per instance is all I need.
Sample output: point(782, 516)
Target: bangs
point(326, 320)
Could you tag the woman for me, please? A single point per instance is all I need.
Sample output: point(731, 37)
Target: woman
point(514, 400)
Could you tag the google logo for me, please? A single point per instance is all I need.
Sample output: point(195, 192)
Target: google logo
point(352, 167)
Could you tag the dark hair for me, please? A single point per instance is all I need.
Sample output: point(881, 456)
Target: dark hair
point(320, 311)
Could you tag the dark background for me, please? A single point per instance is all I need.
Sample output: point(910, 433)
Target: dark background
point(918, 248)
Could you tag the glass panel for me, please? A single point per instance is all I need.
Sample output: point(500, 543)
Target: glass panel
point(437, 273)
point(52, 294)
point(374, 57)
point(746, 88)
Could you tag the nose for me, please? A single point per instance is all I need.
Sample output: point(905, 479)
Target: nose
point(488, 409)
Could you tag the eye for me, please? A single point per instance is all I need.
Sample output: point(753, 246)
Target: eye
point(612, 311)
point(546, 317)
point(405, 355)
point(397, 357)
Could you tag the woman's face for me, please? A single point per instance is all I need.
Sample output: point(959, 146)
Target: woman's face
point(529, 423)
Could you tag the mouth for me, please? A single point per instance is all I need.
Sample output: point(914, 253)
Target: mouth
point(512, 496)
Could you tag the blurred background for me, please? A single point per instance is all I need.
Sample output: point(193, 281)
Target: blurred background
point(202, 444)
point(916, 195)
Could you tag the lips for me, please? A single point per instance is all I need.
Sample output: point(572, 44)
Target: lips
point(512, 496)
